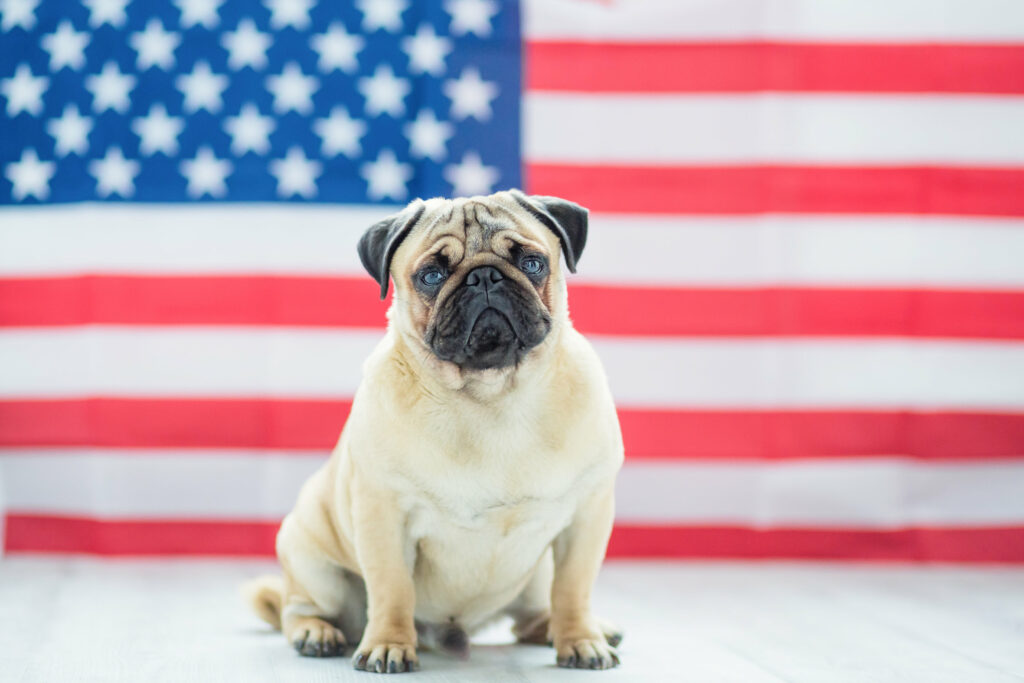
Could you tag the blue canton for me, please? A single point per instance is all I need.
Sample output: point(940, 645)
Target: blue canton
point(376, 101)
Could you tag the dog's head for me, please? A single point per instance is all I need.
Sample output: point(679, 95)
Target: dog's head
point(478, 281)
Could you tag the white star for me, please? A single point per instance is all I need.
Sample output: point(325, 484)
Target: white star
point(470, 177)
point(470, 95)
point(155, 46)
point(206, 174)
point(66, 46)
point(202, 88)
point(337, 48)
point(384, 92)
point(24, 92)
point(18, 13)
point(106, 12)
point(296, 175)
point(246, 46)
point(385, 14)
point(340, 133)
point(428, 136)
point(30, 176)
point(292, 90)
point(471, 16)
point(249, 131)
point(289, 13)
point(385, 177)
point(110, 88)
point(158, 132)
point(426, 51)
point(114, 173)
point(70, 132)
point(202, 12)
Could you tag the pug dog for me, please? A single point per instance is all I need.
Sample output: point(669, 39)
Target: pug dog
point(474, 477)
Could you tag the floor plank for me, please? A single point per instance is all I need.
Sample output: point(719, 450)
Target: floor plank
point(126, 620)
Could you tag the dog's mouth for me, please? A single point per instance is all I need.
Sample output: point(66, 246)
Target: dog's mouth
point(492, 341)
point(481, 337)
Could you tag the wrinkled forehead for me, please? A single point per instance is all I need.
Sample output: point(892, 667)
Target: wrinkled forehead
point(462, 228)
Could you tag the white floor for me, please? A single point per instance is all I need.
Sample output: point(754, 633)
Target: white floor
point(87, 620)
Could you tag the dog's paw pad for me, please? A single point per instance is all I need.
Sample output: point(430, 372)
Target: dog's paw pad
point(317, 638)
point(386, 658)
point(588, 653)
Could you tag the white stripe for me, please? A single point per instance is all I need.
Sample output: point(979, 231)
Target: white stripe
point(874, 493)
point(805, 250)
point(147, 484)
point(176, 238)
point(864, 20)
point(737, 129)
point(312, 240)
point(884, 493)
point(185, 361)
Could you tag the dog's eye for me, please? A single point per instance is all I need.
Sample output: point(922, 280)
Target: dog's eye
point(432, 277)
point(532, 265)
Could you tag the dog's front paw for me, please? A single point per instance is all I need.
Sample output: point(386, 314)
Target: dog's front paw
point(585, 653)
point(383, 657)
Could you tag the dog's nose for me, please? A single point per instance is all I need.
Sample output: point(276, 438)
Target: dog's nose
point(484, 277)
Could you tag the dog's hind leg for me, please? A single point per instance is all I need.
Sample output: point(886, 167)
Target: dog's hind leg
point(531, 610)
point(323, 605)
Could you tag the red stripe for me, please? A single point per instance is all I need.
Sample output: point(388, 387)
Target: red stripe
point(51, 534)
point(596, 309)
point(670, 434)
point(655, 311)
point(972, 544)
point(786, 67)
point(173, 423)
point(784, 189)
point(192, 300)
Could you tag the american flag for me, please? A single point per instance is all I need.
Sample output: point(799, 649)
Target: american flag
point(805, 271)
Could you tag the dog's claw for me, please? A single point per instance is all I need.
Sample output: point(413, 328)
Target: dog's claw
point(587, 653)
point(385, 658)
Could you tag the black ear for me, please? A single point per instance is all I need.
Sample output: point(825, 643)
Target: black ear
point(378, 244)
point(564, 218)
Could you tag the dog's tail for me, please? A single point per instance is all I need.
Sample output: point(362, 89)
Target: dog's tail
point(265, 595)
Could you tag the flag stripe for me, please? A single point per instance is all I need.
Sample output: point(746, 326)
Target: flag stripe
point(784, 189)
point(652, 372)
point(862, 493)
point(831, 130)
point(609, 310)
point(140, 423)
point(862, 21)
point(972, 544)
point(823, 250)
point(55, 534)
point(784, 67)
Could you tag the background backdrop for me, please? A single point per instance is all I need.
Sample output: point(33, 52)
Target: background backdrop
point(805, 271)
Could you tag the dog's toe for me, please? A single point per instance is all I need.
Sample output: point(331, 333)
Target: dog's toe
point(316, 638)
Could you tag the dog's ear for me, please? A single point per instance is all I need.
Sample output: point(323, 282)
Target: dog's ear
point(378, 244)
point(564, 218)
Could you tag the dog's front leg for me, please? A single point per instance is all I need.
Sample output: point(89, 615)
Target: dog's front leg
point(579, 550)
point(389, 641)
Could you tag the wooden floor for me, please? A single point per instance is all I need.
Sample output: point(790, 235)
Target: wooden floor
point(86, 620)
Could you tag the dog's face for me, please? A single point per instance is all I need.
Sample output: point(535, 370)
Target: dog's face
point(478, 281)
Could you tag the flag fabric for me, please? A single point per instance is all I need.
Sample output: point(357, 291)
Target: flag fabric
point(804, 275)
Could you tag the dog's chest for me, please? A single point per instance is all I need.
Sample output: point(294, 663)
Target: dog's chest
point(472, 559)
point(477, 533)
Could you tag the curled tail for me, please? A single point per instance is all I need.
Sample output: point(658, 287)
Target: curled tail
point(265, 595)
